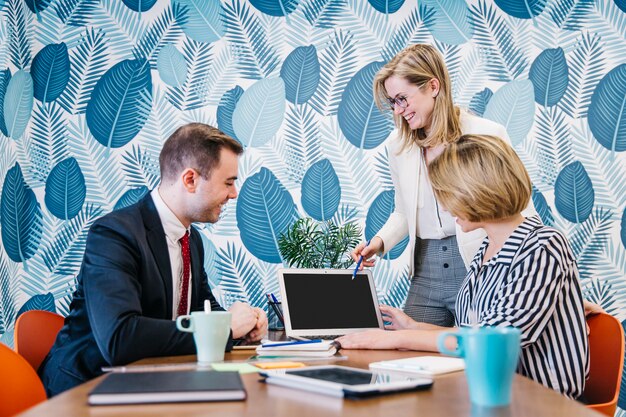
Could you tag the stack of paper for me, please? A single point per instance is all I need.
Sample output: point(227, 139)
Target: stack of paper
point(310, 348)
point(421, 365)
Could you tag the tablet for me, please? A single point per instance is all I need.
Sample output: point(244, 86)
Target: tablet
point(342, 381)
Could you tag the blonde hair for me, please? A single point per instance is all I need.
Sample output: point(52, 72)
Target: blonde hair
point(480, 178)
point(418, 64)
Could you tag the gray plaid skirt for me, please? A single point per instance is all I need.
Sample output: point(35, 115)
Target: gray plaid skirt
point(439, 273)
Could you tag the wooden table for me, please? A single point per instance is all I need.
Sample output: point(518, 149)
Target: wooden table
point(448, 397)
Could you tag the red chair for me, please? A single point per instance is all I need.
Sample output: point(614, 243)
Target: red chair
point(606, 354)
point(20, 386)
point(35, 332)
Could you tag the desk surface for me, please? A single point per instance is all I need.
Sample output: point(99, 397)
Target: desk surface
point(448, 397)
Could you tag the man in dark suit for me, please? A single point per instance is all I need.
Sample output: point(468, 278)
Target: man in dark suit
point(144, 266)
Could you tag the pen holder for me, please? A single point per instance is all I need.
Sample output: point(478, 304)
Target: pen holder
point(275, 316)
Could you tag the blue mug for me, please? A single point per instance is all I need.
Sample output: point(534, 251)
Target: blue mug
point(491, 355)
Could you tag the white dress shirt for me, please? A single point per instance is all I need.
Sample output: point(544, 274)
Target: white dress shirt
point(433, 222)
point(174, 230)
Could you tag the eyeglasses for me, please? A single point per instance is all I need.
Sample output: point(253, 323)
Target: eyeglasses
point(400, 101)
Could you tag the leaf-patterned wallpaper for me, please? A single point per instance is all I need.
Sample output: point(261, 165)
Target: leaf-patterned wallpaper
point(89, 90)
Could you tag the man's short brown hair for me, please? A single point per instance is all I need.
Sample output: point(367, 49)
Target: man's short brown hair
point(480, 178)
point(197, 146)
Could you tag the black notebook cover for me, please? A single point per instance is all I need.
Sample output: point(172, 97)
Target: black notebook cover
point(168, 386)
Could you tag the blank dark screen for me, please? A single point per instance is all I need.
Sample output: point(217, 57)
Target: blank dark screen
point(338, 375)
point(329, 301)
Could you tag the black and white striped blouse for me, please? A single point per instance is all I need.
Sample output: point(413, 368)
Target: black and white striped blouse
point(532, 284)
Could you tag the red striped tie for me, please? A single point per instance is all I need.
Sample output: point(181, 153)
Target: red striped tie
point(184, 246)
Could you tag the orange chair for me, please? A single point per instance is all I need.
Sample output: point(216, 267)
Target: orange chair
point(20, 386)
point(35, 332)
point(606, 355)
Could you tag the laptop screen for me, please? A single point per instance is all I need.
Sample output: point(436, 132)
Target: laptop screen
point(329, 301)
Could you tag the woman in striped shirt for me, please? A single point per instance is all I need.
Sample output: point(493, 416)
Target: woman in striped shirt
point(524, 274)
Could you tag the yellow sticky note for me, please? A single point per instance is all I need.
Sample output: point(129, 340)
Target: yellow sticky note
point(242, 368)
point(279, 365)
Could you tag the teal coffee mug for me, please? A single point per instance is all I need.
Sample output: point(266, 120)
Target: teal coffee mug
point(491, 355)
point(210, 333)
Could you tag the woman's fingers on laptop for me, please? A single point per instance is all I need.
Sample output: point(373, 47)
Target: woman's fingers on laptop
point(396, 318)
point(371, 339)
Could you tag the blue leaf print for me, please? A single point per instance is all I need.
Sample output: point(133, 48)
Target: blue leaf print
point(37, 6)
point(5, 77)
point(450, 23)
point(321, 191)
point(76, 13)
point(275, 7)
point(504, 59)
point(301, 74)
point(210, 262)
point(260, 112)
point(120, 103)
point(225, 111)
point(131, 196)
point(623, 229)
point(337, 66)
point(18, 33)
point(361, 122)
point(65, 189)
point(550, 76)
point(542, 207)
point(525, 9)
point(377, 215)
point(480, 100)
point(256, 56)
point(622, 6)
point(139, 5)
point(513, 106)
point(571, 14)
point(172, 66)
point(89, 62)
point(573, 193)
point(265, 210)
point(51, 72)
point(324, 13)
point(18, 103)
point(386, 6)
point(607, 111)
point(38, 302)
point(21, 217)
point(202, 23)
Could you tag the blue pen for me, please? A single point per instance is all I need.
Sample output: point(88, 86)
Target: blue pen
point(296, 342)
point(358, 264)
point(274, 305)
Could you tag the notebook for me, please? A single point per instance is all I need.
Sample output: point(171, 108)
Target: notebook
point(421, 365)
point(321, 303)
point(166, 386)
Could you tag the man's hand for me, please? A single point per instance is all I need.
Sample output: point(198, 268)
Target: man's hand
point(260, 328)
point(244, 319)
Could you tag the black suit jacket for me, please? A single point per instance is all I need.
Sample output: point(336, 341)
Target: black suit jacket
point(122, 307)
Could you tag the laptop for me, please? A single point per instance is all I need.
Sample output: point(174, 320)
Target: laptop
point(327, 303)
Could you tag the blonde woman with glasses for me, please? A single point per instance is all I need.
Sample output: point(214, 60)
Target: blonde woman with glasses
point(524, 273)
point(416, 87)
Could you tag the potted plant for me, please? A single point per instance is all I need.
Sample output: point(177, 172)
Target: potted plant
point(312, 244)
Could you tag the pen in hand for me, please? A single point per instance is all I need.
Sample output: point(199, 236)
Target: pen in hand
point(358, 264)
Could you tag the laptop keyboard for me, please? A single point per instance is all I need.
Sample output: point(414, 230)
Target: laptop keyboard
point(324, 337)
